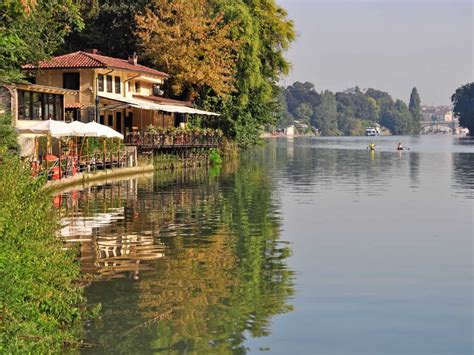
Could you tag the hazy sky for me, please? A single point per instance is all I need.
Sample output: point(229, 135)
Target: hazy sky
point(391, 45)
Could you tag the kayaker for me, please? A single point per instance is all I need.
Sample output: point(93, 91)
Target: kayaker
point(399, 146)
point(371, 146)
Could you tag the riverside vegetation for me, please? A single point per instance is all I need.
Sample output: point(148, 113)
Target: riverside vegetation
point(349, 112)
point(41, 300)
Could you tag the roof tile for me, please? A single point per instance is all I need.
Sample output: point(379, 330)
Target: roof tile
point(89, 60)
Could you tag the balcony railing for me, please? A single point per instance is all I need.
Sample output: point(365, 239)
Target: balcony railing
point(178, 140)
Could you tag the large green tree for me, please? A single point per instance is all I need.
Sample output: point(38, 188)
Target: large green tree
point(463, 100)
point(264, 33)
point(33, 30)
point(415, 109)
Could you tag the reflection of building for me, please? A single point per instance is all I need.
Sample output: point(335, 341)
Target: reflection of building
point(107, 247)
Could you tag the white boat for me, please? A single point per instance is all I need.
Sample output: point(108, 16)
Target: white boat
point(372, 131)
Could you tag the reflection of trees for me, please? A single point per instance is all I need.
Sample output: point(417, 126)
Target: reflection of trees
point(223, 268)
point(316, 168)
point(414, 163)
point(463, 172)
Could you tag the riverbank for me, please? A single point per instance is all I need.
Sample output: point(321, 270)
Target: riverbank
point(43, 305)
point(86, 177)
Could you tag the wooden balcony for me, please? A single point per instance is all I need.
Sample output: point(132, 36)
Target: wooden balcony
point(157, 141)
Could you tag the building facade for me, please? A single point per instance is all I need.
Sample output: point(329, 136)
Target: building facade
point(119, 93)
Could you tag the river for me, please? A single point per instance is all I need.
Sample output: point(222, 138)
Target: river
point(303, 246)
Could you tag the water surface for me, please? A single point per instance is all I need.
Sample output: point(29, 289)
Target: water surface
point(304, 246)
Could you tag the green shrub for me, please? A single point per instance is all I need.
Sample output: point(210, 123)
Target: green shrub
point(214, 157)
point(40, 300)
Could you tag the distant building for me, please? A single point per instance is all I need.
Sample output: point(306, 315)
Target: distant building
point(437, 113)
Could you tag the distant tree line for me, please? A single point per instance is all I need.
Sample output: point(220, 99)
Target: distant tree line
point(348, 112)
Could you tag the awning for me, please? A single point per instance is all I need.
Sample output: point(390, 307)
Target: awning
point(155, 107)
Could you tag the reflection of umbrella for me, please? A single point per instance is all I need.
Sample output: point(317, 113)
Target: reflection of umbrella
point(104, 131)
point(52, 128)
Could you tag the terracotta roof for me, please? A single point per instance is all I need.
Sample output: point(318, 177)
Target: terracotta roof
point(89, 60)
point(164, 100)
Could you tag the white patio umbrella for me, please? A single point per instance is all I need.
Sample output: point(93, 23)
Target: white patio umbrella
point(104, 131)
point(82, 130)
point(53, 128)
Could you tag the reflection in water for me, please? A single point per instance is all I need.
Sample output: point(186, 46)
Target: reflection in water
point(463, 171)
point(198, 262)
point(192, 263)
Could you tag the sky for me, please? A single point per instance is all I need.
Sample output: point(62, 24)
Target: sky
point(391, 45)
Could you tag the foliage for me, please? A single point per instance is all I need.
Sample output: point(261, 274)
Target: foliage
point(264, 33)
point(41, 303)
point(214, 157)
point(463, 101)
point(32, 30)
point(8, 136)
point(110, 27)
point(186, 41)
point(326, 114)
point(175, 131)
point(398, 119)
point(415, 109)
point(355, 110)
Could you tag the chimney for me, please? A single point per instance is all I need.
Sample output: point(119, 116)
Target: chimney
point(133, 59)
point(92, 51)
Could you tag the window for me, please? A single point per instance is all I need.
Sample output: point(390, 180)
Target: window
point(117, 85)
point(71, 81)
point(49, 106)
point(21, 105)
point(110, 121)
point(100, 82)
point(27, 105)
point(40, 106)
point(109, 83)
point(137, 86)
point(37, 106)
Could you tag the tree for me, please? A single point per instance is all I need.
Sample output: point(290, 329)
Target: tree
point(191, 44)
point(383, 99)
point(398, 119)
point(264, 33)
point(110, 27)
point(299, 93)
point(415, 110)
point(463, 100)
point(326, 114)
point(31, 31)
